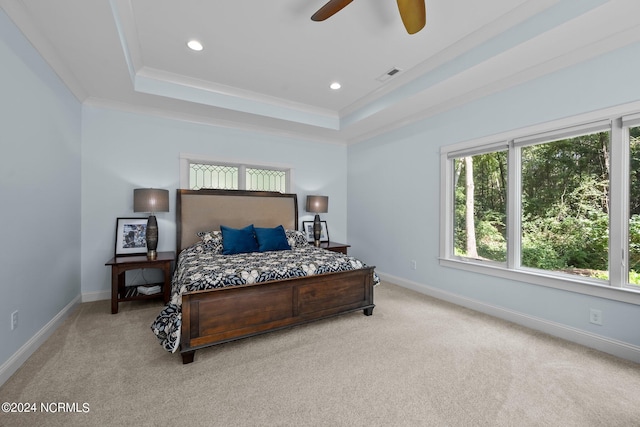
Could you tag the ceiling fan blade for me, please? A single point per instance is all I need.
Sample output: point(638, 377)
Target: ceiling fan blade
point(413, 14)
point(330, 9)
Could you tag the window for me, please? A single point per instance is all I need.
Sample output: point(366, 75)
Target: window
point(634, 205)
point(197, 173)
point(481, 206)
point(559, 205)
point(266, 179)
point(202, 175)
point(565, 205)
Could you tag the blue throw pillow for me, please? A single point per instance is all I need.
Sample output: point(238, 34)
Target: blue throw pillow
point(238, 240)
point(272, 239)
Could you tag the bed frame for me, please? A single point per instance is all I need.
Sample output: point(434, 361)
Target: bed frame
point(218, 316)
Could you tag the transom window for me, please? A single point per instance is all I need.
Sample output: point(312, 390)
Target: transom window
point(557, 205)
point(199, 174)
point(266, 179)
point(202, 175)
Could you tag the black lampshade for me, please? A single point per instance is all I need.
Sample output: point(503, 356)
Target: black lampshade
point(318, 204)
point(150, 200)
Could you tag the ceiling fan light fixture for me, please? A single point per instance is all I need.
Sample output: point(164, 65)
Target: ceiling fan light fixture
point(412, 12)
point(195, 45)
point(335, 85)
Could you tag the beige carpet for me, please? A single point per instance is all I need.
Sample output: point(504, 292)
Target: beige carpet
point(416, 362)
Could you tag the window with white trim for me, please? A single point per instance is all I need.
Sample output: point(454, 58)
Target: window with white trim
point(564, 203)
point(204, 175)
point(632, 133)
point(560, 205)
point(480, 203)
point(199, 173)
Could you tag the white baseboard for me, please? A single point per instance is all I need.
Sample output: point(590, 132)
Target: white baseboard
point(9, 367)
point(608, 345)
point(96, 296)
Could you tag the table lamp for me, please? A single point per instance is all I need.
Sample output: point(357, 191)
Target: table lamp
point(151, 200)
point(317, 205)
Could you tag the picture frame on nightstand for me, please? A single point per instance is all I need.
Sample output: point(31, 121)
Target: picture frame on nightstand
point(131, 236)
point(307, 227)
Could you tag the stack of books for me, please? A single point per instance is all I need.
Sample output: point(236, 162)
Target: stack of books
point(149, 290)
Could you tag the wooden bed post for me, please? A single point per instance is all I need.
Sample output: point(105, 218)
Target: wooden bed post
point(187, 357)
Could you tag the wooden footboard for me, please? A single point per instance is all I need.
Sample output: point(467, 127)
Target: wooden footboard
point(221, 315)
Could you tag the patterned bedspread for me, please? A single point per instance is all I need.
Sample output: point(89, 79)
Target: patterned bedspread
point(199, 267)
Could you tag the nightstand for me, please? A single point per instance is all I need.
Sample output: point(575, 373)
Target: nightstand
point(119, 265)
point(335, 247)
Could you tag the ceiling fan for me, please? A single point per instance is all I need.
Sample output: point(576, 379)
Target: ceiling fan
point(412, 12)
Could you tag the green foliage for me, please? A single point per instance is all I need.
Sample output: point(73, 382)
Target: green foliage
point(490, 240)
point(634, 277)
point(634, 245)
point(565, 205)
point(565, 214)
point(489, 175)
point(565, 188)
point(634, 163)
point(540, 254)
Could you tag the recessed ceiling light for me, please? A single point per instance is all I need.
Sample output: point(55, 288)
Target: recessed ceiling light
point(335, 86)
point(195, 45)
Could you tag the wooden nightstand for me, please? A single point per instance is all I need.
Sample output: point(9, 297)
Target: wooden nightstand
point(335, 247)
point(119, 265)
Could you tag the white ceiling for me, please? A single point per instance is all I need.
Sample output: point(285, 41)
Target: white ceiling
point(267, 66)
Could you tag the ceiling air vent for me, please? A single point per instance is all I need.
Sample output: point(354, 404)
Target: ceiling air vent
point(386, 76)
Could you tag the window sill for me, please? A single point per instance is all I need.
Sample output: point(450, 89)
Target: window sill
point(568, 283)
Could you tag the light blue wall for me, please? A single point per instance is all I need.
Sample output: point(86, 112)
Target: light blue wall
point(122, 151)
point(394, 190)
point(67, 172)
point(39, 191)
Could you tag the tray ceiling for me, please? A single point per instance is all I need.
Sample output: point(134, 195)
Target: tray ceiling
point(266, 66)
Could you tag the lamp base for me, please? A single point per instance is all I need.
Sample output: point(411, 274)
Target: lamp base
point(152, 237)
point(317, 230)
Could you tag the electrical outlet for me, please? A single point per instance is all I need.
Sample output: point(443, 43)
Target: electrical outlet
point(14, 320)
point(414, 265)
point(595, 316)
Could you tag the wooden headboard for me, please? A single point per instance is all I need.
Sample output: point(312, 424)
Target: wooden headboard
point(206, 210)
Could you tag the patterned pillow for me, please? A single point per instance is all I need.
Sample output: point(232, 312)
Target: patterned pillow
point(212, 241)
point(296, 238)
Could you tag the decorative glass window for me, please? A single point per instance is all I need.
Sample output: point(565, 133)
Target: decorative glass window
point(266, 179)
point(202, 175)
point(198, 173)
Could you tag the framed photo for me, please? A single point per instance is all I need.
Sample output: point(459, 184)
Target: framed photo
point(131, 236)
point(307, 227)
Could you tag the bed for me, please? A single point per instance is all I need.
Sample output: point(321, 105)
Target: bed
point(218, 298)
